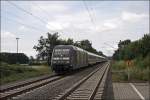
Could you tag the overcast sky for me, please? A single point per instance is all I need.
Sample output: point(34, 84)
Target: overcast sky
point(104, 23)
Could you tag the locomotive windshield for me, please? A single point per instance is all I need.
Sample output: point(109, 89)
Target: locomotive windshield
point(63, 52)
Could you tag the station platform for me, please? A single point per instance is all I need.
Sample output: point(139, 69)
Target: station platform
point(131, 91)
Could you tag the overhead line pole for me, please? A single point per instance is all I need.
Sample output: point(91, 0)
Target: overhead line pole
point(17, 43)
point(17, 50)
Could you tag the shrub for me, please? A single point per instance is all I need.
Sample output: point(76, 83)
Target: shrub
point(138, 71)
point(13, 58)
point(7, 70)
point(118, 65)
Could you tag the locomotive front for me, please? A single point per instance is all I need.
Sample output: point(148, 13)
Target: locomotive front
point(61, 59)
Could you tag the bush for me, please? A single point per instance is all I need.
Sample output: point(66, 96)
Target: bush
point(142, 63)
point(139, 74)
point(11, 73)
point(118, 65)
point(131, 50)
point(138, 71)
point(13, 58)
point(7, 70)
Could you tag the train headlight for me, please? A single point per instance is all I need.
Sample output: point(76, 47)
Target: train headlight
point(67, 61)
point(65, 58)
point(54, 61)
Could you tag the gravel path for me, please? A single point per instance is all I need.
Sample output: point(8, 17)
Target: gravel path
point(51, 90)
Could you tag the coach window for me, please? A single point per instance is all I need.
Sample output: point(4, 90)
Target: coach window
point(77, 57)
point(82, 57)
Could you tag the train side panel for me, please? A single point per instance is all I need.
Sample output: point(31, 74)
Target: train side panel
point(81, 58)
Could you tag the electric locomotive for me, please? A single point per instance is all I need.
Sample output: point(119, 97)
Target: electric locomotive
point(69, 57)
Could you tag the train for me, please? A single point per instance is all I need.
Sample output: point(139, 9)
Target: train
point(68, 57)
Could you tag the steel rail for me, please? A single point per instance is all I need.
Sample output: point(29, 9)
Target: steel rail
point(100, 81)
point(17, 91)
point(101, 88)
point(78, 84)
point(23, 83)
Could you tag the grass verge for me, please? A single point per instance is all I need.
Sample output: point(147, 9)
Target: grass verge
point(120, 72)
point(10, 73)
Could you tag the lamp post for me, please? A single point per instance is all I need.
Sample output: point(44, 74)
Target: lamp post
point(17, 43)
point(17, 49)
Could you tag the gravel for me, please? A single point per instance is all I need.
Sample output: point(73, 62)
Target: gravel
point(53, 89)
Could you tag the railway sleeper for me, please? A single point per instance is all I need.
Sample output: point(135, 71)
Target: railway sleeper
point(101, 89)
point(94, 81)
point(86, 88)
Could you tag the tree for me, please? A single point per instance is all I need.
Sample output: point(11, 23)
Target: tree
point(85, 44)
point(101, 53)
point(46, 45)
point(41, 47)
point(130, 50)
point(31, 60)
point(70, 41)
point(123, 43)
point(13, 58)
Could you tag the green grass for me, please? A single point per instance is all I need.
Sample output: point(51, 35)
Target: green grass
point(139, 71)
point(10, 73)
point(118, 65)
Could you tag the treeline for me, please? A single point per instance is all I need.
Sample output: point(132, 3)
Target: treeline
point(129, 50)
point(13, 58)
point(138, 50)
point(45, 45)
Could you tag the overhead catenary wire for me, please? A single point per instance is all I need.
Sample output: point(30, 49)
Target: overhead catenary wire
point(110, 45)
point(21, 23)
point(45, 12)
point(28, 26)
point(29, 13)
point(94, 14)
point(90, 15)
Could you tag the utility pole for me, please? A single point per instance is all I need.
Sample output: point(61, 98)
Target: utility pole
point(17, 43)
point(17, 49)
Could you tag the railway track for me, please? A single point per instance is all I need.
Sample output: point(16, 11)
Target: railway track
point(15, 90)
point(23, 83)
point(89, 88)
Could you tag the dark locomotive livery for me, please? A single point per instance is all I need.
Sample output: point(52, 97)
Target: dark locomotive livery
point(69, 57)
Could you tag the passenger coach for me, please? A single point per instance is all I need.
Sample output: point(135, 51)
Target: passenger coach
point(69, 57)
